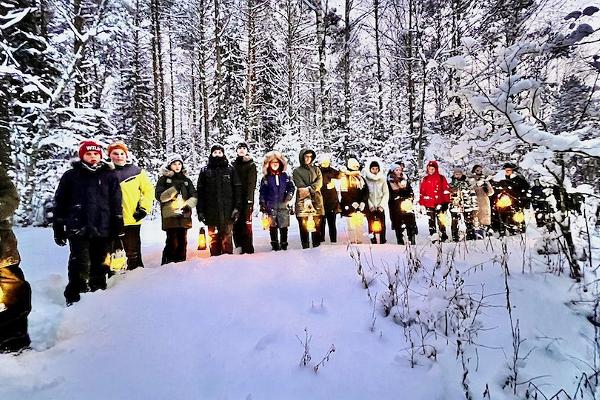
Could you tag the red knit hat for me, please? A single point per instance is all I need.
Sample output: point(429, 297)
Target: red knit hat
point(117, 145)
point(89, 145)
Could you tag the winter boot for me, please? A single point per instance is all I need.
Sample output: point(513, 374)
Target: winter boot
point(275, 246)
point(283, 234)
point(373, 239)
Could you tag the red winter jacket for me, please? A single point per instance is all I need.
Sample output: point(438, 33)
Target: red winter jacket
point(434, 189)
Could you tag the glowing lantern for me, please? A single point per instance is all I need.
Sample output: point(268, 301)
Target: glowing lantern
point(443, 218)
point(118, 261)
point(519, 217)
point(406, 206)
point(265, 222)
point(202, 239)
point(356, 220)
point(376, 226)
point(504, 201)
point(310, 224)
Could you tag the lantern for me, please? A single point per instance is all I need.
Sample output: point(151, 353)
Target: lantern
point(504, 201)
point(376, 226)
point(310, 224)
point(118, 261)
point(265, 221)
point(202, 239)
point(443, 218)
point(519, 217)
point(406, 206)
point(356, 220)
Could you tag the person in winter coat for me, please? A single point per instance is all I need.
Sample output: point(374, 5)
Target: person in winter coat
point(89, 214)
point(219, 200)
point(15, 292)
point(354, 199)
point(400, 203)
point(246, 169)
point(331, 201)
point(378, 198)
point(177, 197)
point(540, 204)
point(511, 200)
point(463, 205)
point(276, 191)
point(435, 197)
point(309, 201)
point(483, 191)
point(138, 195)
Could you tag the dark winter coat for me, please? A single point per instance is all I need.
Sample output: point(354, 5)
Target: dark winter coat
point(276, 191)
point(308, 176)
point(400, 190)
point(331, 201)
point(246, 170)
point(175, 212)
point(219, 189)
point(9, 201)
point(88, 201)
point(517, 188)
point(354, 193)
point(434, 190)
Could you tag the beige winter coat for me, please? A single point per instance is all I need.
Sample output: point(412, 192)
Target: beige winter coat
point(483, 190)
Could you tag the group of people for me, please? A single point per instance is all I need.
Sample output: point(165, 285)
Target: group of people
point(100, 203)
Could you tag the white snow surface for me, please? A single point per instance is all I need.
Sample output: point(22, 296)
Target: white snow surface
point(230, 327)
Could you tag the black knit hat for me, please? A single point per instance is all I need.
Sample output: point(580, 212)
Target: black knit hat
point(217, 146)
point(509, 165)
point(242, 144)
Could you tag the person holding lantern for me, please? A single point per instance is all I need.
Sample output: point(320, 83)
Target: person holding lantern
point(354, 199)
point(137, 192)
point(15, 291)
point(435, 197)
point(378, 198)
point(331, 200)
point(89, 216)
point(511, 200)
point(400, 203)
point(276, 191)
point(177, 197)
point(219, 200)
point(246, 169)
point(309, 202)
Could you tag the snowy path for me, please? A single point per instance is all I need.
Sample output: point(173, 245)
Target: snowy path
point(227, 327)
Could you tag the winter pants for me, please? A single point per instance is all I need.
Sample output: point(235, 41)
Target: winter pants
point(175, 246)
point(242, 233)
point(15, 301)
point(220, 240)
point(408, 222)
point(508, 224)
point(470, 229)
point(88, 266)
point(329, 220)
point(133, 246)
point(437, 221)
point(279, 243)
point(376, 216)
point(315, 236)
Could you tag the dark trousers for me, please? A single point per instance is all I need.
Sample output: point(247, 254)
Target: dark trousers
point(15, 305)
point(133, 246)
point(242, 233)
point(379, 216)
point(329, 220)
point(88, 266)
point(405, 221)
point(281, 242)
point(315, 236)
point(175, 246)
point(508, 224)
point(437, 222)
point(468, 217)
point(220, 240)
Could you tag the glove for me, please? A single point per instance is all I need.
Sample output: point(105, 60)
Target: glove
point(443, 207)
point(201, 217)
point(263, 209)
point(60, 236)
point(117, 227)
point(235, 214)
point(355, 205)
point(186, 211)
point(361, 207)
point(139, 214)
point(371, 209)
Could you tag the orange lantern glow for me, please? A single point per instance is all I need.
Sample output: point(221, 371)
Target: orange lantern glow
point(202, 239)
point(504, 201)
point(406, 206)
point(443, 218)
point(265, 222)
point(310, 224)
point(376, 226)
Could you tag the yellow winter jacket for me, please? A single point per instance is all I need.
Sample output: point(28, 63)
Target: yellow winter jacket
point(137, 191)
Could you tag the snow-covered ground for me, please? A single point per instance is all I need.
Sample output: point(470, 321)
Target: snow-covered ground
point(233, 327)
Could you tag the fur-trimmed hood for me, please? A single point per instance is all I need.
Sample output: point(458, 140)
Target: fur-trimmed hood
point(274, 155)
point(369, 175)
